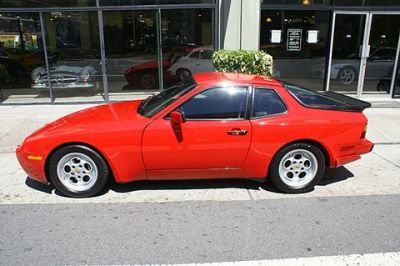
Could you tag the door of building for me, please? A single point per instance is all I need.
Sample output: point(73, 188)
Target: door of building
point(363, 52)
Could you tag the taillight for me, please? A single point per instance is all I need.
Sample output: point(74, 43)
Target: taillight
point(364, 131)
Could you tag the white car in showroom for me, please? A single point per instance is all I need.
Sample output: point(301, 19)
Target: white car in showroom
point(197, 60)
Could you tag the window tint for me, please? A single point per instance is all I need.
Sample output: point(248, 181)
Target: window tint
point(312, 98)
point(267, 102)
point(195, 55)
point(385, 53)
point(218, 103)
point(206, 54)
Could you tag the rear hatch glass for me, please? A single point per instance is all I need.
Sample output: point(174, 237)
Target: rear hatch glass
point(325, 100)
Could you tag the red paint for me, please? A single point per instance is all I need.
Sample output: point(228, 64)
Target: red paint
point(137, 147)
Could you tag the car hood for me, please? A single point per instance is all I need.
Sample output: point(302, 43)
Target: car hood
point(93, 117)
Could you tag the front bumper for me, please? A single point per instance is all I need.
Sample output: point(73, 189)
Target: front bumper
point(354, 153)
point(32, 164)
point(63, 86)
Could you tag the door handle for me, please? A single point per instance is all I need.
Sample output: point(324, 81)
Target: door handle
point(237, 132)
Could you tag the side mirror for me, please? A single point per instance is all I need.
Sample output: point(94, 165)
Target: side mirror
point(177, 117)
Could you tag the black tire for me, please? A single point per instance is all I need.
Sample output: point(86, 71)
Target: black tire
point(383, 85)
point(281, 180)
point(183, 73)
point(347, 75)
point(148, 81)
point(96, 184)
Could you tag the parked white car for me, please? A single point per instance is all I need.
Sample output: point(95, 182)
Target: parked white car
point(197, 60)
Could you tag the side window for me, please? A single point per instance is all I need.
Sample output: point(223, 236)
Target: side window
point(217, 103)
point(206, 54)
point(267, 102)
point(195, 54)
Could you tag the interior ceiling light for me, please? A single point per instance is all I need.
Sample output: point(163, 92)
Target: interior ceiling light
point(306, 2)
point(268, 20)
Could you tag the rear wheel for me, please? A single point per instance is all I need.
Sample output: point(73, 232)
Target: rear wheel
point(78, 171)
point(297, 168)
point(183, 73)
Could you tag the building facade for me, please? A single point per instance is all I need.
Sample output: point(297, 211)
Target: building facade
point(102, 50)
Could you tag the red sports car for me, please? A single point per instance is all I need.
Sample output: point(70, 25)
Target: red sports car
point(211, 125)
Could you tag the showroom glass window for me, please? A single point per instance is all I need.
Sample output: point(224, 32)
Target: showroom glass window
point(21, 52)
point(185, 34)
point(152, 2)
point(74, 56)
point(298, 41)
point(47, 3)
point(130, 39)
point(367, 2)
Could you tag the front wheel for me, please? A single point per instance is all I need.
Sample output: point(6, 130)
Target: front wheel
point(297, 168)
point(347, 75)
point(78, 171)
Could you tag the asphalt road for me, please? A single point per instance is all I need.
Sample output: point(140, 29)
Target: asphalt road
point(196, 231)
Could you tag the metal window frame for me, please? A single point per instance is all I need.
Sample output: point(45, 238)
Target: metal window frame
point(214, 7)
point(365, 46)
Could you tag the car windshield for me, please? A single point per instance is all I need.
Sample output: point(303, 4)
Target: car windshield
point(156, 103)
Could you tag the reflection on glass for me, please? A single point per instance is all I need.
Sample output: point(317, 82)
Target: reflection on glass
point(346, 60)
point(297, 41)
point(47, 3)
point(21, 51)
point(73, 41)
point(297, 2)
point(383, 41)
point(152, 2)
point(367, 2)
point(131, 51)
point(396, 89)
point(187, 43)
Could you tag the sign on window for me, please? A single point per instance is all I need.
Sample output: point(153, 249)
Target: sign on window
point(294, 39)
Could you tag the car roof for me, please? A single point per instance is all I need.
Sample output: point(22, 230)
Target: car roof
point(217, 77)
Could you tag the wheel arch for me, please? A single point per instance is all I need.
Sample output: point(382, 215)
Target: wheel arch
point(327, 155)
point(182, 68)
point(46, 164)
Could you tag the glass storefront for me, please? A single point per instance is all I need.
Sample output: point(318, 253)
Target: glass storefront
point(298, 43)
point(383, 41)
point(74, 57)
point(321, 48)
point(95, 50)
point(187, 36)
point(130, 39)
point(100, 53)
point(21, 52)
point(346, 52)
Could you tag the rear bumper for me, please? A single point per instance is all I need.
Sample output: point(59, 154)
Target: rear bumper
point(355, 153)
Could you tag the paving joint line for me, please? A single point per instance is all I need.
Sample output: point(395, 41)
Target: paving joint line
point(387, 160)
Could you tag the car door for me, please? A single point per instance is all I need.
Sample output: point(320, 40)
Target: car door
point(380, 64)
point(215, 135)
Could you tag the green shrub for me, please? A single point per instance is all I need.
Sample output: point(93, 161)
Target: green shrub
point(243, 61)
